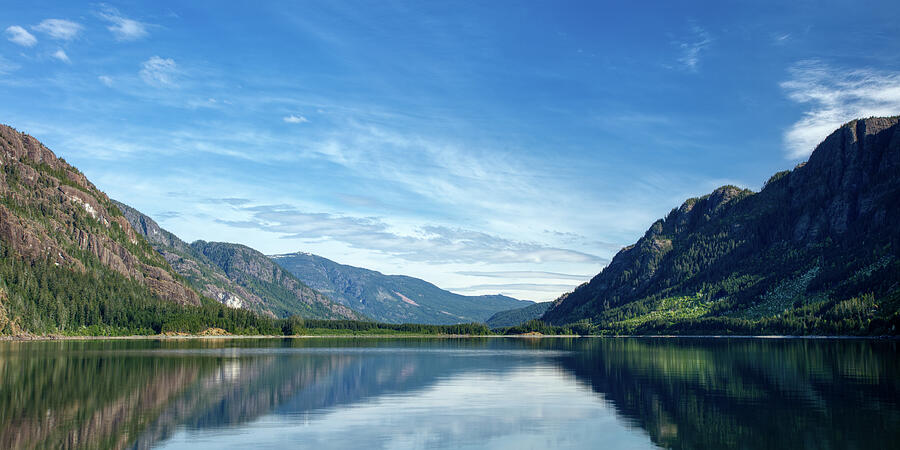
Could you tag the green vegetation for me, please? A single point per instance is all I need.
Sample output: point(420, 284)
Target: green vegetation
point(862, 315)
point(670, 309)
point(866, 303)
point(513, 317)
point(42, 298)
point(296, 326)
point(582, 328)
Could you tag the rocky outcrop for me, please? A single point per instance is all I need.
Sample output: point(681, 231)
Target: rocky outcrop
point(50, 211)
point(849, 178)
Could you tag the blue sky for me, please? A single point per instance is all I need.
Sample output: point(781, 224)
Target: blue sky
point(487, 147)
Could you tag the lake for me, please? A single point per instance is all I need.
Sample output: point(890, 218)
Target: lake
point(502, 393)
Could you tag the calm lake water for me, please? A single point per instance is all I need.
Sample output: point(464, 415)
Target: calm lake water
point(451, 393)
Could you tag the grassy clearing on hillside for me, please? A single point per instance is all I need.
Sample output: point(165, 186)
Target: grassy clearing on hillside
point(670, 309)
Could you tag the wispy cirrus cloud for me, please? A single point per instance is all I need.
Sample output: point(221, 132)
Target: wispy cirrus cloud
point(20, 36)
point(295, 119)
point(426, 243)
point(526, 274)
point(691, 48)
point(513, 287)
point(159, 72)
point(123, 28)
point(835, 96)
point(7, 66)
point(780, 38)
point(166, 215)
point(61, 29)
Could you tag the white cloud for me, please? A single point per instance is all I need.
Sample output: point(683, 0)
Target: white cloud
point(158, 71)
point(123, 28)
point(834, 97)
point(781, 39)
point(21, 36)
point(427, 243)
point(295, 119)
point(526, 274)
point(61, 55)
point(692, 47)
point(59, 28)
point(505, 288)
point(106, 80)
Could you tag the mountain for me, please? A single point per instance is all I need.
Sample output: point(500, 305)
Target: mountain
point(518, 316)
point(392, 298)
point(67, 255)
point(236, 275)
point(279, 288)
point(50, 212)
point(814, 252)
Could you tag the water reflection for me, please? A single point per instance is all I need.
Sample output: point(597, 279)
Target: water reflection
point(749, 393)
point(460, 393)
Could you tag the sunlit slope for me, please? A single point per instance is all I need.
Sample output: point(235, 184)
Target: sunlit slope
point(392, 298)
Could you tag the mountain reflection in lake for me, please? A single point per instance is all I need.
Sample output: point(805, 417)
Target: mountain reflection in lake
point(451, 393)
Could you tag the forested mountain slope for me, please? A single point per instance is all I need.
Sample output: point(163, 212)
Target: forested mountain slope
point(518, 316)
point(235, 275)
point(281, 291)
point(817, 250)
point(67, 254)
point(392, 298)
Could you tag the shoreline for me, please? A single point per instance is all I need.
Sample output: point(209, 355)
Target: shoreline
point(162, 337)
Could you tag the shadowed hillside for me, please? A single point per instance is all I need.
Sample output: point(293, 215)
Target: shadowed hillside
point(814, 252)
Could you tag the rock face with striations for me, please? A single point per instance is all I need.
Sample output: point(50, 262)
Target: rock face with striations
point(833, 223)
point(50, 211)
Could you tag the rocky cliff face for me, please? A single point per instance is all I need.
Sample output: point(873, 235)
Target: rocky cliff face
point(849, 181)
point(50, 211)
point(833, 219)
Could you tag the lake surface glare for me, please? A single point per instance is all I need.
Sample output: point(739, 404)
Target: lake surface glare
point(497, 393)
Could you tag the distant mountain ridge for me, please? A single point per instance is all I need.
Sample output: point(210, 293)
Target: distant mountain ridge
point(392, 298)
point(817, 250)
point(237, 275)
